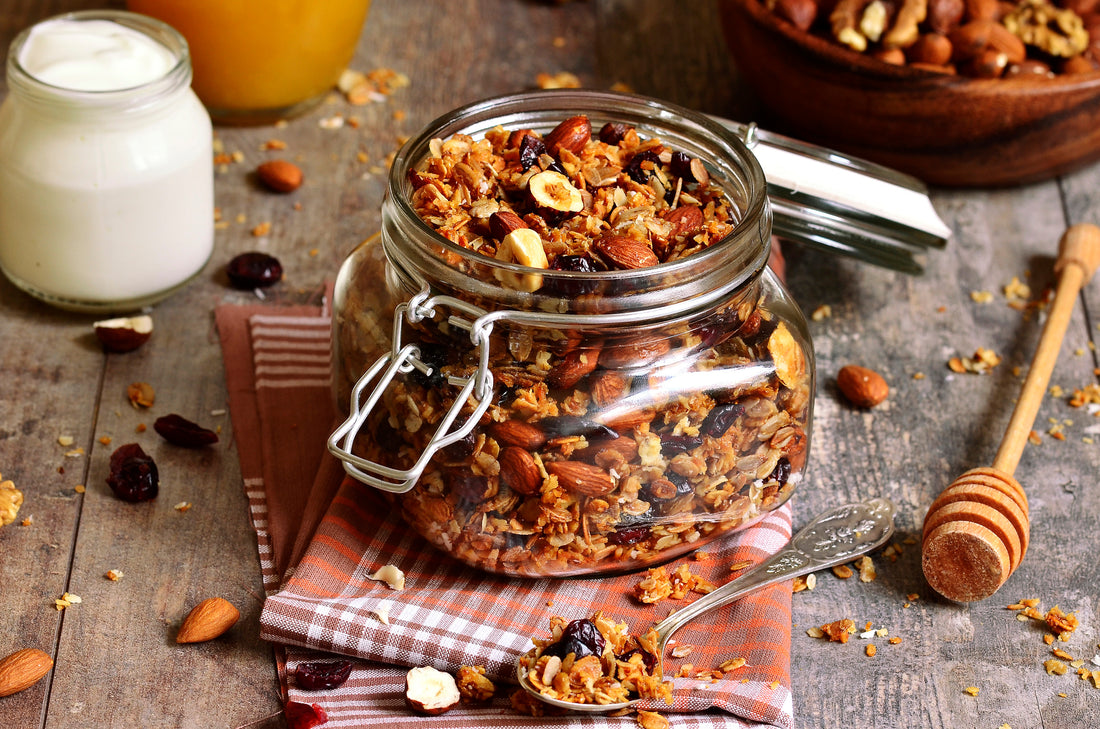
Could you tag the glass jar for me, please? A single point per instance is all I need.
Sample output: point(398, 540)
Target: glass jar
point(589, 422)
point(258, 61)
point(106, 176)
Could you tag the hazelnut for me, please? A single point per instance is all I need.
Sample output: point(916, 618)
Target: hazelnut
point(430, 691)
point(124, 334)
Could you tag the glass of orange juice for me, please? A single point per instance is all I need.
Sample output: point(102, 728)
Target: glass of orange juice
point(257, 61)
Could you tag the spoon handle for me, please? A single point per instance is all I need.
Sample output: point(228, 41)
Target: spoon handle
point(836, 536)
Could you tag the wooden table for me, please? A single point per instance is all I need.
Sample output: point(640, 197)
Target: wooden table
point(116, 660)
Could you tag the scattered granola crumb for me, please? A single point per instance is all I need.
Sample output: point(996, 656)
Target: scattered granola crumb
point(559, 80)
point(981, 297)
point(731, 665)
point(65, 440)
point(918, 375)
point(274, 144)
point(105, 440)
point(79, 488)
point(261, 230)
point(682, 651)
point(738, 566)
point(382, 612)
point(183, 506)
point(114, 575)
point(651, 720)
point(1061, 623)
point(1054, 667)
point(822, 313)
point(701, 556)
point(473, 684)
point(1034, 438)
point(74, 453)
point(871, 650)
point(839, 631)
point(895, 640)
point(842, 571)
point(1016, 291)
point(866, 569)
point(972, 690)
point(66, 600)
point(391, 575)
point(980, 363)
point(27, 521)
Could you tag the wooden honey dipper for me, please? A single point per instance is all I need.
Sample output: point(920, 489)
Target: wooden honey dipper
point(976, 531)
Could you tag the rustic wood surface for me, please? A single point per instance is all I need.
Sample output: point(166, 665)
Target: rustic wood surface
point(116, 661)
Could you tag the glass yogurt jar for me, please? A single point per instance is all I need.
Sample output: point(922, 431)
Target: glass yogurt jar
point(564, 353)
point(106, 164)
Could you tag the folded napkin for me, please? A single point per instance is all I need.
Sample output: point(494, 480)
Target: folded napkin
point(321, 535)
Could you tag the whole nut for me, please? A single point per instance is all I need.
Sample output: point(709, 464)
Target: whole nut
point(23, 669)
point(687, 219)
point(581, 478)
point(572, 367)
point(1029, 67)
point(861, 386)
point(799, 13)
point(207, 620)
point(518, 433)
point(967, 41)
point(503, 222)
point(990, 63)
point(625, 252)
point(981, 9)
point(279, 175)
point(933, 48)
point(1004, 40)
point(518, 470)
point(945, 15)
point(124, 334)
point(571, 134)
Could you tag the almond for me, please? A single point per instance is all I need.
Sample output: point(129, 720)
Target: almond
point(279, 175)
point(607, 387)
point(967, 41)
point(518, 470)
point(634, 352)
point(518, 433)
point(23, 669)
point(623, 446)
point(1005, 41)
point(572, 367)
point(687, 219)
point(625, 252)
point(933, 48)
point(572, 134)
point(861, 386)
point(207, 620)
point(581, 478)
point(503, 222)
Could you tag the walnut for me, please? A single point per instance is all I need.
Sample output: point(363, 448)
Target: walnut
point(1053, 30)
point(11, 499)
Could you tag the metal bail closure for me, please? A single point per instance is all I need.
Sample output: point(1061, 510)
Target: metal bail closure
point(404, 359)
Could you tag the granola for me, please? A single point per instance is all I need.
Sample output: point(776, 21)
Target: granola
point(596, 661)
point(604, 448)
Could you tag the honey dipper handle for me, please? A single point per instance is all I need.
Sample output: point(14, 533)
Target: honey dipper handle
point(1078, 256)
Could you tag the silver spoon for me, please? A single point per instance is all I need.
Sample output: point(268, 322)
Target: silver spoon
point(836, 536)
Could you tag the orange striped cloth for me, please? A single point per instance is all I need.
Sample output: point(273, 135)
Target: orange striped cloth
point(320, 535)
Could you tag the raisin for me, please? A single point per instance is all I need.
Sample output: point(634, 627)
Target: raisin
point(304, 716)
point(530, 149)
point(570, 289)
point(254, 270)
point(316, 676)
point(581, 638)
point(461, 448)
point(180, 431)
point(559, 426)
point(578, 263)
point(635, 169)
point(681, 166)
point(506, 396)
point(613, 132)
point(467, 485)
point(648, 659)
point(133, 474)
point(720, 418)
point(782, 471)
point(434, 356)
point(673, 444)
point(626, 536)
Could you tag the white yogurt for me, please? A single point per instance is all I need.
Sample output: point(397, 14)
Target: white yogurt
point(106, 169)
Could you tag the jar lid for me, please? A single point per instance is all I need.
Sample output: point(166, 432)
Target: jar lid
point(834, 202)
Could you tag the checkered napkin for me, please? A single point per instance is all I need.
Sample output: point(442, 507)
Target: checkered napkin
point(320, 535)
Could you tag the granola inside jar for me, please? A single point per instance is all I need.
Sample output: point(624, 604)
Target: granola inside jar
point(576, 360)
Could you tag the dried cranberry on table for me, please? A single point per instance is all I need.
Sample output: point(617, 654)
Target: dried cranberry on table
point(134, 475)
point(180, 431)
point(304, 716)
point(254, 270)
point(319, 675)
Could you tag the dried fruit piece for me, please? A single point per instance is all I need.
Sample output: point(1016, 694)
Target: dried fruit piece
point(133, 475)
point(124, 334)
point(207, 620)
point(11, 499)
point(304, 716)
point(430, 691)
point(180, 431)
point(254, 270)
point(23, 669)
point(141, 394)
point(581, 637)
point(319, 675)
point(280, 175)
point(862, 387)
point(553, 190)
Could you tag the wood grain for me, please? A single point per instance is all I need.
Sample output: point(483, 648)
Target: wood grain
point(116, 660)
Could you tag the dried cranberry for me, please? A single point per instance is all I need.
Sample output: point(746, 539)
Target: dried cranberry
point(626, 536)
point(467, 485)
point(559, 426)
point(506, 396)
point(613, 132)
point(673, 444)
point(581, 638)
point(782, 471)
point(578, 263)
point(133, 474)
point(461, 447)
point(720, 418)
point(303, 716)
point(319, 675)
point(180, 431)
point(530, 149)
point(571, 289)
point(634, 168)
point(681, 166)
point(254, 270)
point(648, 659)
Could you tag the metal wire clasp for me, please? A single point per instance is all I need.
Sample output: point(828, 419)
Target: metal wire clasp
point(404, 359)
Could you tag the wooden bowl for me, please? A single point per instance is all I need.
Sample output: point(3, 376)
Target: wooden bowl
point(947, 130)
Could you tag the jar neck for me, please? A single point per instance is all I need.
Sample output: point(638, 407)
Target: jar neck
point(142, 99)
point(713, 276)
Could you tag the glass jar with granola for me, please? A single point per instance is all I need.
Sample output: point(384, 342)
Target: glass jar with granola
point(564, 353)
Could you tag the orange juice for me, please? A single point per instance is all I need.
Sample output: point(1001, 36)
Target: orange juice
point(256, 61)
